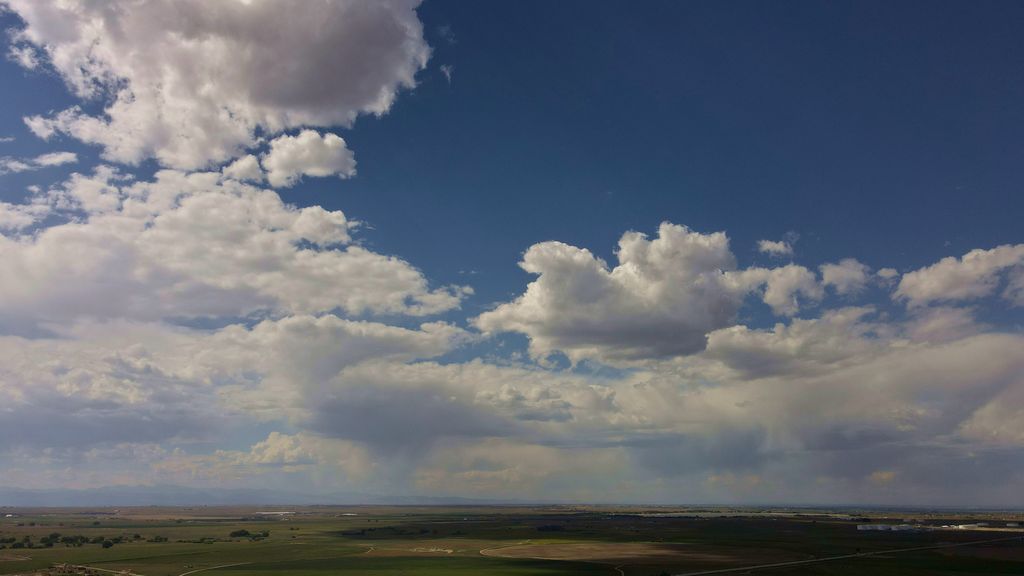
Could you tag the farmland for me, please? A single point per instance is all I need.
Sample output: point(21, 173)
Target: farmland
point(512, 541)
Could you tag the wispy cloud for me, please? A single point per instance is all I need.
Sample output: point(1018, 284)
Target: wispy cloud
point(9, 164)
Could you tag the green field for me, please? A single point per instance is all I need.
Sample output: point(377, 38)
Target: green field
point(317, 541)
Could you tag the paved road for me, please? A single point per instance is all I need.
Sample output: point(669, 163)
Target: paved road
point(844, 557)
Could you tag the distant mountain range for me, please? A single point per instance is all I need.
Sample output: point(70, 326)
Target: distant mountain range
point(185, 496)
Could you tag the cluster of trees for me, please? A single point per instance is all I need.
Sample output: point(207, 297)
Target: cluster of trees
point(550, 528)
point(56, 538)
point(70, 540)
point(246, 534)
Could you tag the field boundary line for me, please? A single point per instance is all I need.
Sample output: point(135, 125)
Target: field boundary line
point(214, 568)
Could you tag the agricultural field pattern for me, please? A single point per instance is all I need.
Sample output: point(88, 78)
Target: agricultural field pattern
point(550, 541)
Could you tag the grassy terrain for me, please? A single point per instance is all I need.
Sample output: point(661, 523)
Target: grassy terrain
point(317, 541)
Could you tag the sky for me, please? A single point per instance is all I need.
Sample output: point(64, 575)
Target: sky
point(656, 252)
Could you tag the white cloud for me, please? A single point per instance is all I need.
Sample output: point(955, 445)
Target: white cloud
point(848, 277)
point(777, 248)
point(202, 101)
point(714, 408)
point(848, 382)
point(875, 392)
point(107, 379)
point(20, 216)
point(245, 169)
point(943, 324)
point(802, 347)
point(447, 70)
point(830, 398)
point(999, 421)
point(786, 288)
point(297, 357)
point(8, 164)
point(975, 275)
point(105, 383)
point(307, 154)
point(277, 453)
point(92, 307)
point(189, 245)
point(661, 299)
point(434, 401)
point(56, 159)
point(1014, 291)
point(24, 56)
point(888, 274)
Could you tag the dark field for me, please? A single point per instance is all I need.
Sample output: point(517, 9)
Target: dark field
point(317, 541)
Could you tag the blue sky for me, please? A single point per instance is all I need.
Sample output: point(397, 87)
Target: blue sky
point(879, 138)
point(737, 117)
point(860, 126)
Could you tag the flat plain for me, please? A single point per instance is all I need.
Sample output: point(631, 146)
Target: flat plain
point(520, 541)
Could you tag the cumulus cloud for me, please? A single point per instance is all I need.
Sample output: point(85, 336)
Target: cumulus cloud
point(833, 397)
point(1014, 291)
point(297, 357)
point(144, 320)
point(243, 70)
point(803, 346)
point(708, 406)
point(307, 154)
point(435, 401)
point(974, 275)
point(662, 299)
point(943, 324)
point(245, 169)
point(785, 289)
point(829, 399)
point(104, 383)
point(869, 382)
point(121, 380)
point(847, 277)
point(126, 384)
point(194, 245)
